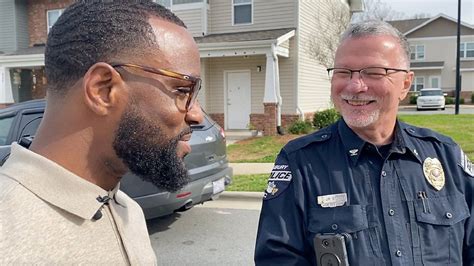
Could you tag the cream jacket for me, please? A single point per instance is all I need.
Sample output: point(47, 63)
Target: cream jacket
point(46, 217)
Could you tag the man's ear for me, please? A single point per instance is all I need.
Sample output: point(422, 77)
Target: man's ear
point(102, 87)
point(406, 85)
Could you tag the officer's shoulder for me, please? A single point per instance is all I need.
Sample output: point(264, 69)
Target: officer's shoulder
point(426, 134)
point(321, 136)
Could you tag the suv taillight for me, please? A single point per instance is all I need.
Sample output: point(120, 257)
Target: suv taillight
point(222, 133)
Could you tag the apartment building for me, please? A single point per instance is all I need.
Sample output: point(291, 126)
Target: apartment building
point(256, 68)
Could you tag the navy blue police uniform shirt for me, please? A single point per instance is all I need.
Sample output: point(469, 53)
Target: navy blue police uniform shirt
point(408, 203)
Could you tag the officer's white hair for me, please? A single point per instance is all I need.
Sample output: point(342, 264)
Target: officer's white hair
point(377, 27)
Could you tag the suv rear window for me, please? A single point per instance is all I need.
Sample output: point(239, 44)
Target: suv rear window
point(432, 93)
point(5, 126)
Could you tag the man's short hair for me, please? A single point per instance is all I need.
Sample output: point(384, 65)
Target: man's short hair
point(377, 27)
point(91, 31)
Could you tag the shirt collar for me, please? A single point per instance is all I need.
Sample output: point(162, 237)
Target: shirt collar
point(354, 145)
point(54, 184)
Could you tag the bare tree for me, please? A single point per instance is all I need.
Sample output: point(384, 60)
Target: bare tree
point(377, 10)
point(330, 24)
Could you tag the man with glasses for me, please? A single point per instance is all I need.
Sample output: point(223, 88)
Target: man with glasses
point(122, 86)
point(369, 189)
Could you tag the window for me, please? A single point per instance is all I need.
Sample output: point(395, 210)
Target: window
point(467, 50)
point(418, 84)
point(52, 17)
point(434, 81)
point(5, 126)
point(242, 11)
point(417, 52)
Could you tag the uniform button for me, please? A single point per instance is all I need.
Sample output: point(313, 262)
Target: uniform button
point(324, 136)
point(391, 212)
point(384, 173)
point(449, 215)
point(334, 226)
point(398, 253)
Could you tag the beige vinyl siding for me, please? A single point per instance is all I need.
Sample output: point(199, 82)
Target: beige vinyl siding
point(216, 90)
point(287, 69)
point(7, 26)
point(267, 14)
point(440, 27)
point(313, 82)
point(433, 47)
point(193, 20)
point(21, 29)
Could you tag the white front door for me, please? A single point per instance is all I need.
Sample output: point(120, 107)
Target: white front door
point(238, 100)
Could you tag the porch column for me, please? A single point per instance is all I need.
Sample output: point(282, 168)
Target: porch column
point(271, 97)
point(6, 94)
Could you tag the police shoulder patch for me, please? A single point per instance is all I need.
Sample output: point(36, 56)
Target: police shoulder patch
point(278, 181)
point(466, 164)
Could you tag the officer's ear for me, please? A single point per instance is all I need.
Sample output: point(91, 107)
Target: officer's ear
point(406, 85)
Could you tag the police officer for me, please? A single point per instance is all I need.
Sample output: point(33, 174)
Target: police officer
point(394, 193)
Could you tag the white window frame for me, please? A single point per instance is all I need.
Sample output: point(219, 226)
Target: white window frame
point(185, 6)
point(414, 50)
point(60, 10)
point(439, 81)
point(463, 50)
point(242, 4)
point(416, 83)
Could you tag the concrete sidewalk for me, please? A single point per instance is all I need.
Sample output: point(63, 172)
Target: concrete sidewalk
point(251, 168)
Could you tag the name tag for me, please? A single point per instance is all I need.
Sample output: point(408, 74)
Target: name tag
point(332, 200)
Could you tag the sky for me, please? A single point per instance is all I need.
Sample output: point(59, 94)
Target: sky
point(434, 7)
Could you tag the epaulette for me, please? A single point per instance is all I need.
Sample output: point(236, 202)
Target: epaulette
point(426, 133)
point(321, 135)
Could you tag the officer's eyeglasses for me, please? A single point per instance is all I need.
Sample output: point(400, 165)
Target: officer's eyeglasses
point(367, 74)
point(186, 95)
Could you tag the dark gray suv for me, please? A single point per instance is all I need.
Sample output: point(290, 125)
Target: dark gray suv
point(207, 163)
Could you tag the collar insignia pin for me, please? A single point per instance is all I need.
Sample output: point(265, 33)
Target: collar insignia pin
point(434, 173)
point(415, 152)
point(353, 152)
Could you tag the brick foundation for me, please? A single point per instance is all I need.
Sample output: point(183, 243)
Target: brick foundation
point(219, 118)
point(269, 128)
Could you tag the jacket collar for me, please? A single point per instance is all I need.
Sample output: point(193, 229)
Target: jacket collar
point(54, 184)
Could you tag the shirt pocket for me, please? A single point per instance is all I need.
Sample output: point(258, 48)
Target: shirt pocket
point(441, 228)
point(362, 242)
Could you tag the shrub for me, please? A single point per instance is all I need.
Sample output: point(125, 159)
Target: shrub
point(300, 127)
point(325, 118)
point(413, 99)
point(472, 98)
point(452, 100)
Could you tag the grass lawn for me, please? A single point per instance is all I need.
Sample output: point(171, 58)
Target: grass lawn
point(265, 149)
point(254, 183)
point(257, 149)
point(458, 127)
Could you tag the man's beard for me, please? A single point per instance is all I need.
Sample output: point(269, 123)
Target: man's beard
point(148, 153)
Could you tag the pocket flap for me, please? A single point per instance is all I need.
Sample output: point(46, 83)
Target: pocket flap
point(441, 210)
point(346, 219)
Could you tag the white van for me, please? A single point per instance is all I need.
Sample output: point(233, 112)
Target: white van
point(430, 98)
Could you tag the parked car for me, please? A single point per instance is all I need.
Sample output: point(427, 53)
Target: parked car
point(207, 163)
point(430, 98)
